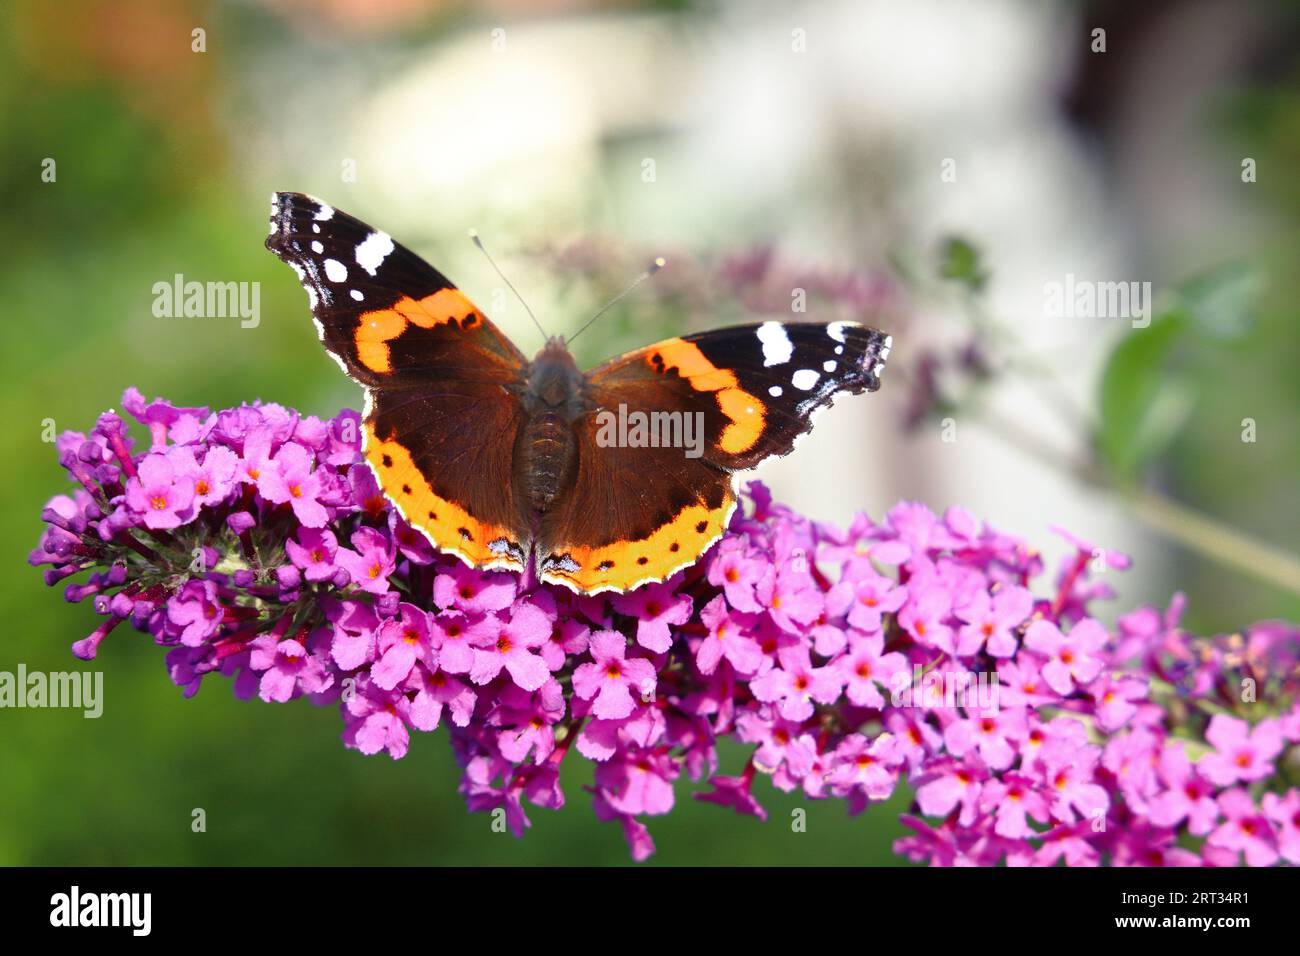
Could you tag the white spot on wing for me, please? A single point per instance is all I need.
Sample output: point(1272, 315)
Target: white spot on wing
point(317, 247)
point(836, 330)
point(777, 348)
point(828, 365)
point(372, 250)
point(335, 271)
point(355, 294)
point(776, 391)
point(324, 212)
point(804, 379)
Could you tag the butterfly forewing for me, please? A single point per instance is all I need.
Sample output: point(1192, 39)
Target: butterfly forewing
point(425, 355)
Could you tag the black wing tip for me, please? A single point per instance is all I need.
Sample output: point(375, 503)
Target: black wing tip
point(288, 211)
point(875, 354)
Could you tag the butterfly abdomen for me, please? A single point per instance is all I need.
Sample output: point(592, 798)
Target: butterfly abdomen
point(545, 454)
point(546, 449)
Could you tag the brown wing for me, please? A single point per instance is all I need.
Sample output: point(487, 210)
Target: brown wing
point(441, 380)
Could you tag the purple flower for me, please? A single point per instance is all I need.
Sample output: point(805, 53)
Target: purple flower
point(213, 479)
point(656, 608)
point(312, 550)
point(734, 792)
point(287, 667)
point(1240, 753)
point(1245, 829)
point(866, 665)
point(1070, 779)
point(736, 573)
point(611, 678)
point(1070, 659)
point(472, 591)
point(992, 735)
point(638, 781)
point(1014, 801)
point(865, 765)
point(195, 613)
point(795, 684)
point(923, 615)
point(1188, 797)
point(256, 454)
point(873, 596)
point(990, 621)
point(402, 641)
point(949, 785)
point(1114, 700)
point(455, 636)
point(783, 745)
point(377, 721)
point(291, 480)
point(514, 647)
point(1284, 812)
point(726, 639)
point(371, 563)
point(437, 691)
point(161, 497)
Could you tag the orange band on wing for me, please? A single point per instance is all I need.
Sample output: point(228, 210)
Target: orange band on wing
point(747, 416)
point(445, 305)
point(624, 565)
point(376, 328)
point(745, 411)
point(447, 525)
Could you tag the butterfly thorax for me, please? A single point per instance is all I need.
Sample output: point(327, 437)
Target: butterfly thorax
point(546, 448)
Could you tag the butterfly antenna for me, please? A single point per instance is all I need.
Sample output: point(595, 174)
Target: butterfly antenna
point(473, 235)
point(654, 267)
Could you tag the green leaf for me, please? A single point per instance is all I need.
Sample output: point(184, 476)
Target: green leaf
point(959, 260)
point(1221, 303)
point(1144, 404)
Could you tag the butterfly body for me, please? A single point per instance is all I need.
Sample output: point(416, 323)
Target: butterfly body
point(605, 479)
point(554, 399)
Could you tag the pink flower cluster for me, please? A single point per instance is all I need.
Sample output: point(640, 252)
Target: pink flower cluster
point(922, 651)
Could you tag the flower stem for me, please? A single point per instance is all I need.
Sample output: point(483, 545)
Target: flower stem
point(1213, 538)
point(1198, 532)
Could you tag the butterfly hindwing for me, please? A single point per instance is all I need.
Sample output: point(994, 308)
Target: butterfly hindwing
point(631, 515)
point(747, 393)
point(438, 377)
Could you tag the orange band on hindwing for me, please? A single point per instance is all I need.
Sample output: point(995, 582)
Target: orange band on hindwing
point(623, 565)
point(447, 525)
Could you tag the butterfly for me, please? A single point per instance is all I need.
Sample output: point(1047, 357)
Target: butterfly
point(500, 460)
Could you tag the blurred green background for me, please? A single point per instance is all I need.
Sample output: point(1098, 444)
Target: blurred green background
point(532, 122)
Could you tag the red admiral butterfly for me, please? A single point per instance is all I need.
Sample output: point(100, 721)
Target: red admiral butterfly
point(498, 459)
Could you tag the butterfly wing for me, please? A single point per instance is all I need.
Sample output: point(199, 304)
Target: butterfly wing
point(638, 514)
point(440, 378)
